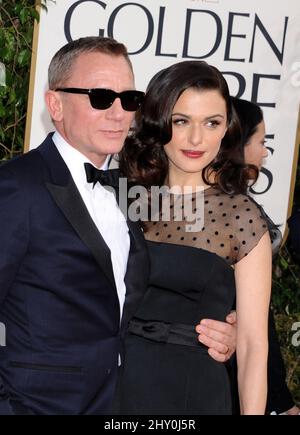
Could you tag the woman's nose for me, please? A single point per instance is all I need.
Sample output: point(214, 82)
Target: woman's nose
point(196, 135)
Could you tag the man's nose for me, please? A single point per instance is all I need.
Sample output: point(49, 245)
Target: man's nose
point(116, 111)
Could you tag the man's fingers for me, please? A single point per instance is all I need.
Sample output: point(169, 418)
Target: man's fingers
point(214, 335)
point(211, 343)
point(231, 318)
point(220, 357)
point(215, 325)
point(218, 336)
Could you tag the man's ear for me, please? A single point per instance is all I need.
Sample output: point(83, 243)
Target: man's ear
point(54, 105)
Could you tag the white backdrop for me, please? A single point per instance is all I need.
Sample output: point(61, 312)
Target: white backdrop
point(255, 43)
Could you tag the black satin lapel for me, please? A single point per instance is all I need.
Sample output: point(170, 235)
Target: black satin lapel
point(134, 227)
point(70, 202)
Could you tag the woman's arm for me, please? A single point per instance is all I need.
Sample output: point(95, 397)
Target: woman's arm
point(253, 276)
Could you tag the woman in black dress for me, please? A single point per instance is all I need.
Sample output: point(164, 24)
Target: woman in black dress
point(207, 248)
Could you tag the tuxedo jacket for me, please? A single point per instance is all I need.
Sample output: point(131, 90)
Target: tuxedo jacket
point(58, 298)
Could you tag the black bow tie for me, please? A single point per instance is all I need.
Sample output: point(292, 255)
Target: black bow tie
point(94, 175)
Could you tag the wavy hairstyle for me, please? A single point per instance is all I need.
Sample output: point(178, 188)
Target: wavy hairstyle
point(143, 159)
point(250, 116)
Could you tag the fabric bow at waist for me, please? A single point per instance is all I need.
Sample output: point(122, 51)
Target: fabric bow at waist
point(173, 333)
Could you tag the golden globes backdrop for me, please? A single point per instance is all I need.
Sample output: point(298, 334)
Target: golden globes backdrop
point(255, 43)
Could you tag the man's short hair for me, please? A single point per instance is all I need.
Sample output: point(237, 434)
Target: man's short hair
point(61, 65)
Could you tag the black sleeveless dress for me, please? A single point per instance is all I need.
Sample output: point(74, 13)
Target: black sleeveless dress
point(165, 369)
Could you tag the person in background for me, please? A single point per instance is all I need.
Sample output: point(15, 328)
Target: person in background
point(294, 234)
point(254, 152)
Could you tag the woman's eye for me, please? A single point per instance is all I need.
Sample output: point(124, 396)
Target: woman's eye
point(179, 121)
point(213, 123)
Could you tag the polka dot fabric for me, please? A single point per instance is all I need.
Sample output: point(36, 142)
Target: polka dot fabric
point(231, 225)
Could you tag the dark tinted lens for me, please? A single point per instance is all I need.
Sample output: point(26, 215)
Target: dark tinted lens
point(102, 99)
point(131, 100)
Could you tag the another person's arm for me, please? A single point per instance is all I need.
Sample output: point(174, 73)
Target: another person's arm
point(253, 276)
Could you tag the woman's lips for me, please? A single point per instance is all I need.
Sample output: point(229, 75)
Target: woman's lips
point(193, 154)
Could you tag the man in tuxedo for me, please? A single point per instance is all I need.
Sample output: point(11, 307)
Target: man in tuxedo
point(68, 255)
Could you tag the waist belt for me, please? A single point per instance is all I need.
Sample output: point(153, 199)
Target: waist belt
point(173, 333)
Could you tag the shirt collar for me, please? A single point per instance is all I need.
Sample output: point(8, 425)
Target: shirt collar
point(73, 158)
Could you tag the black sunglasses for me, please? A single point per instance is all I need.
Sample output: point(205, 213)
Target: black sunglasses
point(102, 99)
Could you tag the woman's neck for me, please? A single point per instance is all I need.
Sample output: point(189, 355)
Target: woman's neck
point(185, 181)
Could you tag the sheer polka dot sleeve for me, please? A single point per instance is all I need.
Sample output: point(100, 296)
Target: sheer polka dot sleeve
point(250, 225)
point(231, 227)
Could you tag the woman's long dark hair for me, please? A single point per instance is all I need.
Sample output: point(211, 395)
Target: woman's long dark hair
point(250, 116)
point(143, 159)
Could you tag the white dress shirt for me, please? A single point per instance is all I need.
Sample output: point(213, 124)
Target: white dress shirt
point(103, 209)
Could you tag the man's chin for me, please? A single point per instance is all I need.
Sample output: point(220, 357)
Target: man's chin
point(111, 148)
